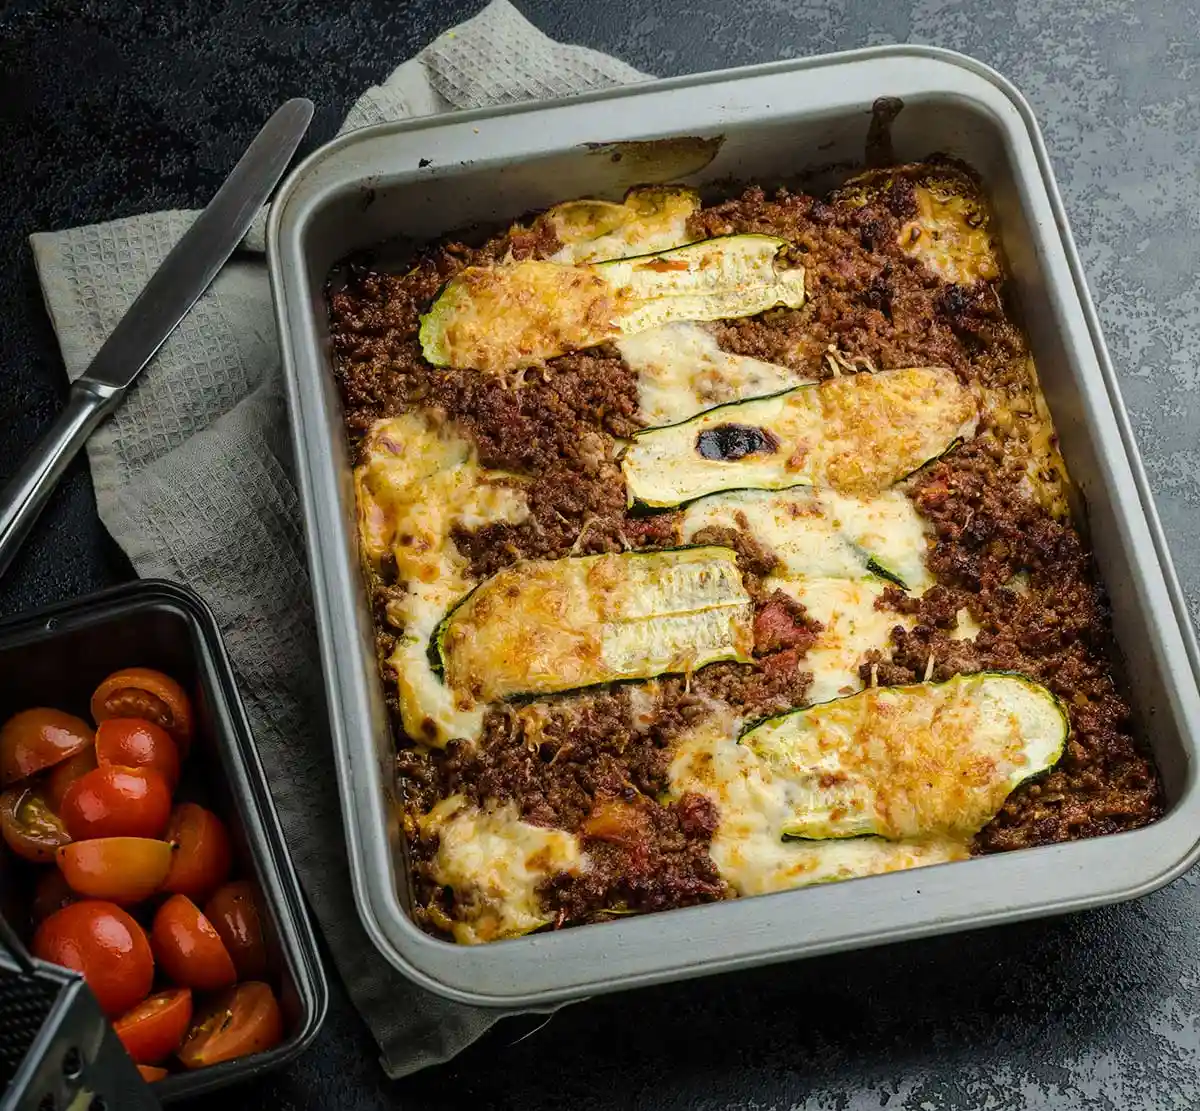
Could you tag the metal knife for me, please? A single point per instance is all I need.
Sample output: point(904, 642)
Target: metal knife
point(172, 290)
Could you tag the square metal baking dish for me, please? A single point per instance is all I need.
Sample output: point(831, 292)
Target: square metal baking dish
point(418, 179)
point(57, 656)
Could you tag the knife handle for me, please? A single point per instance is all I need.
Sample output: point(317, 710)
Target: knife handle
point(23, 499)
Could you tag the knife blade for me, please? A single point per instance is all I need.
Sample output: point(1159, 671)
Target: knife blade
point(172, 290)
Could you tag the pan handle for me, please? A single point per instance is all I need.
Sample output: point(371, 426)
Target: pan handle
point(23, 499)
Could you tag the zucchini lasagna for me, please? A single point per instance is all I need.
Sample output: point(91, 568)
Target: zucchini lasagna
point(721, 547)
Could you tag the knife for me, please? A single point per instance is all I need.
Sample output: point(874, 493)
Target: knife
point(172, 290)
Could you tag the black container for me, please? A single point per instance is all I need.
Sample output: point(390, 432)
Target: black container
point(57, 656)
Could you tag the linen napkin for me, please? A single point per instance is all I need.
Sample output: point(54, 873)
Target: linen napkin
point(193, 478)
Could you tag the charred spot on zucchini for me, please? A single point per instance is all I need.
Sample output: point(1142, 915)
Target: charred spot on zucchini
point(925, 760)
point(857, 434)
point(502, 317)
point(547, 626)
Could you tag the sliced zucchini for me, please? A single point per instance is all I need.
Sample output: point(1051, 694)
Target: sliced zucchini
point(546, 626)
point(652, 218)
point(926, 760)
point(519, 314)
point(857, 434)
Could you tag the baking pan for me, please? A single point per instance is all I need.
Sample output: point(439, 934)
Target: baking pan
point(57, 656)
point(805, 120)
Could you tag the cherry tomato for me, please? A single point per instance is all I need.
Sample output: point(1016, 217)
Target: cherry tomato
point(233, 911)
point(106, 945)
point(136, 743)
point(187, 947)
point(36, 739)
point(141, 692)
point(202, 856)
point(51, 894)
point(156, 1026)
point(63, 775)
point(116, 802)
point(121, 869)
point(30, 827)
point(243, 1020)
point(151, 1073)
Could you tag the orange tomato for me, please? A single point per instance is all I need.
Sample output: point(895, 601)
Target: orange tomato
point(51, 893)
point(116, 802)
point(202, 856)
point(243, 1020)
point(121, 869)
point(151, 1073)
point(37, 739)
point(233, 911)
point(31, 829)
point(142, 692)
point(63, 775)
point(101, 941)
point(155, 1028)
point(137, 743)
point(188, 949)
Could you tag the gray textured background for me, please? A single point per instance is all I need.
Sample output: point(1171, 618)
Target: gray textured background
point(1098, 1011)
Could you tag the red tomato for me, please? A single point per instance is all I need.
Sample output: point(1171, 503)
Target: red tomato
point(243, 1020)
point(233, 911)
point(106, 945)
point(63, 775)
point(122, 869)
point(51, 893)
point(117, 802)
point(187, 947)
point(202, 857)
point(30, 827)
point(156, 1026)
point(151, 1073)
point(141, 692)
point(34, 740)
point(135, 743)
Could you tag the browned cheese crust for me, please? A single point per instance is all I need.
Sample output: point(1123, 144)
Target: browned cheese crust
point(591, 765)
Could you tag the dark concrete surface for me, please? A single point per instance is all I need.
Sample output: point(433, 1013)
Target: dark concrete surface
point(108, 109)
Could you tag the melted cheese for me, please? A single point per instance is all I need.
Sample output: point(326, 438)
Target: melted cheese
point(965, 626)
point(495, 863)
point(950, 235)
point(853, 625)
point(553, 625)
point(682, 371)
point(418, 482)
point(651, 219)
point(755, 801)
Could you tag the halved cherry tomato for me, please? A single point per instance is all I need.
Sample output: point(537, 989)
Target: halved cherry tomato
point(121, 869)
point(51, 894)
point(142, 692)
point(63, 775)
point(202, 857)
point(187, 947)
point(151, 1073)
point(233, 911)
point(106, 945)
point(30, 827)
point(246, 1019)
point(117, 802)
point(137, 743)
point(36, 739)
point(156, 1026)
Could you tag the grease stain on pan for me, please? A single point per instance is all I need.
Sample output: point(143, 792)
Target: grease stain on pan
point(660, 159)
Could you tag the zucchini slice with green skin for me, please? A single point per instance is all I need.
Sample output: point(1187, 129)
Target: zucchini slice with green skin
point(499, 318)
point(545, 626)
point(650, 218)
point(926, 760)
point(857, 434)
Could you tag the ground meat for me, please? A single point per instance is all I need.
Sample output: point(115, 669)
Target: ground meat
point(590, 765)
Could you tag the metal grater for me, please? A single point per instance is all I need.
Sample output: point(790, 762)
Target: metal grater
point(57, 1050)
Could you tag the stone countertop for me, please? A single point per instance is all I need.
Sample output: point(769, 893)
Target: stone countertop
point(107, 109)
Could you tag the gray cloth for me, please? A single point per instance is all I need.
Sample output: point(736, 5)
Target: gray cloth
point(193, 478)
